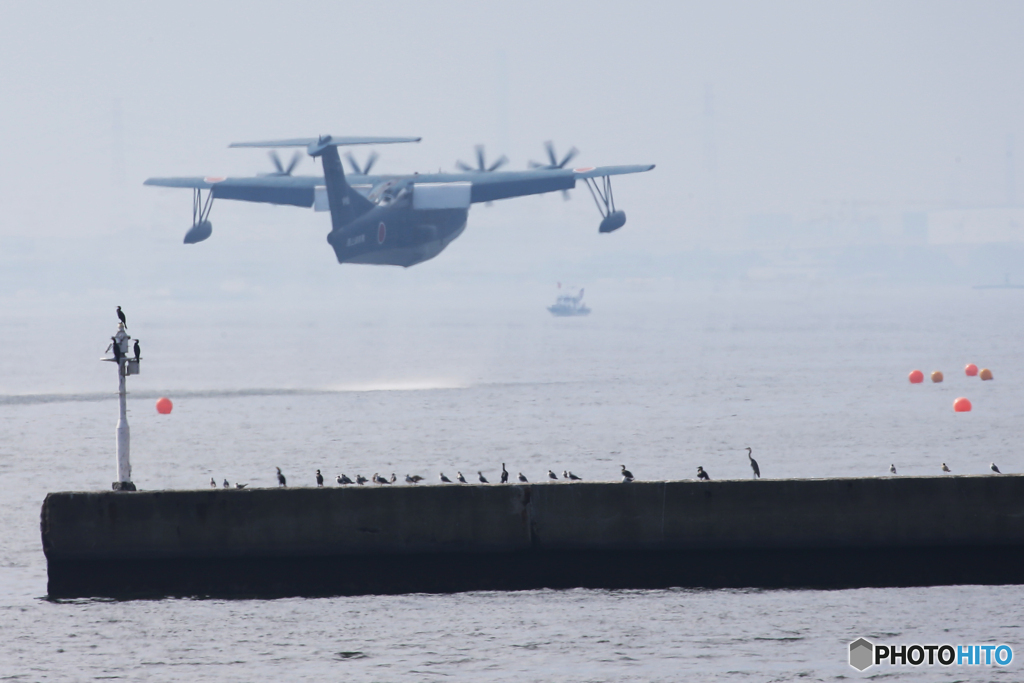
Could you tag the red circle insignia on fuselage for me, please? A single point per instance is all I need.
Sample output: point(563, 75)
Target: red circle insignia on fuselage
point(382, 232)
point(214, 179)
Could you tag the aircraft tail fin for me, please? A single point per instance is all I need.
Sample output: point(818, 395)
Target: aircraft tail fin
point(346, 204)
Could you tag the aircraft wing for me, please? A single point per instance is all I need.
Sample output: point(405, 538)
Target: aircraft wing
point(486, 187)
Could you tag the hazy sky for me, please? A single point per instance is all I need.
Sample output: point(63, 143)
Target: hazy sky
point(745, 107)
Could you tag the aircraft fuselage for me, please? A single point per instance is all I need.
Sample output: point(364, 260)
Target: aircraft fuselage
point(397, 234)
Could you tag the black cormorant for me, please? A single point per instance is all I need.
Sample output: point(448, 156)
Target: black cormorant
point(753, 463)
point(138, 350)
point(280, 478)
point(319, 478)
point(117, 350)
point(701, 474)
point(504, 474)
point(523, 478)
point(483, 479)
point(626, 474)
point(992, 466)
point(120, 316)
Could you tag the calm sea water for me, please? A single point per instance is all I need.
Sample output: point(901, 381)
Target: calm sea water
point(661, 378)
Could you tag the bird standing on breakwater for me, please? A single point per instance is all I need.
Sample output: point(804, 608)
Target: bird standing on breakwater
point(627, 476)
point(360, 479)
point(120, 316)
point(753, 463)
point(414, 479)
point(281, 481)
point(319, 479)
point(504, 474)
point(240, 486)
point(380, 480)
point(444, 479)
point(552, 475)
point(892, 469)
point(226, 484)
point(213, 484)
point(343, 479)
point(702, 475)
point(944, 468)
point(570, 476)
point(483, 479)
point(523, 479)
point(992, 466)
point(462, 479)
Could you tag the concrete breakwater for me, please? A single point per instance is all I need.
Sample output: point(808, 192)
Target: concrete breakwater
point(354, 540)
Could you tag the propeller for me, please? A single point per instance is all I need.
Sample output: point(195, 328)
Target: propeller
point(482, 166)
point(553, 158)
point(364, 170)
point(555, 163)
point(281, 170)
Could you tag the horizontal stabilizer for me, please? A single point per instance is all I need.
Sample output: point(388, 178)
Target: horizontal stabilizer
point(324, 140)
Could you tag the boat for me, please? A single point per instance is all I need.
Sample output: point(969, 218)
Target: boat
point(568, 305)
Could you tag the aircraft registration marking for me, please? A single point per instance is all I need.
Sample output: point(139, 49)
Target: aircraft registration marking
point(352, 241)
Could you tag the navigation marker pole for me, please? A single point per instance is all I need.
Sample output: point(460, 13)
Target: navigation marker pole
point(125, 366)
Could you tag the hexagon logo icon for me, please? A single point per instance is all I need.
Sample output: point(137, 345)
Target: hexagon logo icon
point(862, 654)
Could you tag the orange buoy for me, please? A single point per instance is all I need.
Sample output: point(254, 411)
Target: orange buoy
point(936, 376)
point(971, 370)
point(985, 373)
point(962, 405)
point(916, 376)
point(164, 405)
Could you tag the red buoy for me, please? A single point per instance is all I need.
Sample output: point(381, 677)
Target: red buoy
point(985, 373)
point(971, 370)
point(916, 376)
point(962, 405)
point(164, 405)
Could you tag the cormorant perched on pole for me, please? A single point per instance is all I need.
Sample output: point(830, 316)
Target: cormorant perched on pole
point(120, 316)
point(138, 350)
point(117, 350)
point(702, 475)
point(627, 476)
point(319, 479)
point(995, 469)
point(504, 474)
point(281, 481)
point(753, 463)
point(944, 468)
point(483, 479)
